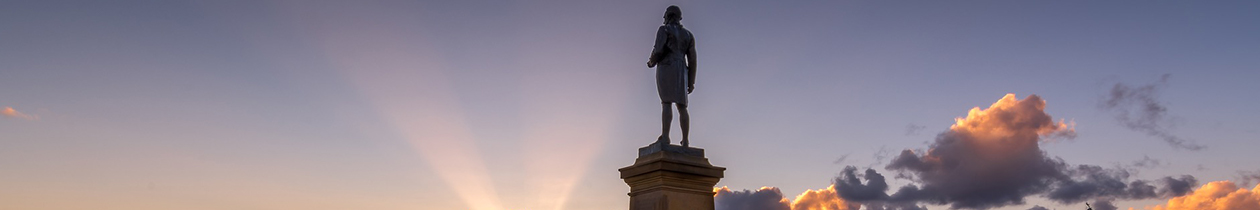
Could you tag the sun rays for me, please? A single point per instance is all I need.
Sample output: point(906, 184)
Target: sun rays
point(410, 87)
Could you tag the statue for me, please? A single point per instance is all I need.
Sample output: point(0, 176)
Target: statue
point(675, 77)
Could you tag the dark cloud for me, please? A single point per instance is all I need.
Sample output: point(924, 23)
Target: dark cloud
point(766, 198)
point(1104, 205)
point(850, 188)
point(1178, 186)
point(892, 206)
point(1094, 182)
point(1097, 182)
point(1138, 108)
point(1038, 208)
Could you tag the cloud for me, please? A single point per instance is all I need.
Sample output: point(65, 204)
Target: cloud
point(769, 198)
point(1138, 108)
point(9, 112)
point(880, 155)
point(871, 194)
point(1178, 186)
point(766, 198)
point(823, 199)
point(892, 206)
point(1219, 195)
point(1094, 182)
point(1248, 177)
point(841, 159)
point(850, 188)
point(1148, 162)
point(1104, 205)
point(991, 158)
point(914, 129)
point(1099, 182)
point(1038, 208)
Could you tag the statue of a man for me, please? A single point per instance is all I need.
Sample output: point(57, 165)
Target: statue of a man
point(675, 60)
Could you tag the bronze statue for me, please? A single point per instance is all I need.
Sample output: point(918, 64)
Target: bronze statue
point(675, 77)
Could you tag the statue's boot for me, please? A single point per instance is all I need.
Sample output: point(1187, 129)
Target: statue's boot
point(662, 141)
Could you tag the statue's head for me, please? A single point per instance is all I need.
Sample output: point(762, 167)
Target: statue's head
point(673, 14)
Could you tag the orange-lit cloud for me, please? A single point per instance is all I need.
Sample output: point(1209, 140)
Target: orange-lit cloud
point(770, 198)
point(1219, 195)
point(1012, 118)
point(822, 199)
point(9, 112)
point(990, 158)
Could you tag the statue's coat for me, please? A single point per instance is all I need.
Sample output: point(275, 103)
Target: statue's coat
point(675, 49)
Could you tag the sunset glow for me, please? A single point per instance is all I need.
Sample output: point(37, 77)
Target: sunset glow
point(497, 105)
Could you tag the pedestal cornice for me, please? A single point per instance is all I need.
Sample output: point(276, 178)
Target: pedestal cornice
point(671, 177)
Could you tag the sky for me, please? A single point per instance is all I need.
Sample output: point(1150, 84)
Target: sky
point(535, 104)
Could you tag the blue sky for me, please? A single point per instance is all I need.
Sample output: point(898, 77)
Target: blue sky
point(534, 104)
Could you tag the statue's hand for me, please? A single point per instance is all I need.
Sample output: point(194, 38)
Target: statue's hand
point(690, 88)
point(651, 64)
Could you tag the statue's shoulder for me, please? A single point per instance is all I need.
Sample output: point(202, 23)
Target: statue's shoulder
point(683, 32)
point(666, 28)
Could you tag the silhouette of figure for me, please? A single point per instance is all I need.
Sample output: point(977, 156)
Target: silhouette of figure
point(1089, 207)
point(675, 77)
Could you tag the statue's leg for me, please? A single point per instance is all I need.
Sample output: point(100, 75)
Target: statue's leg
point(684, 121)
point(666, 117)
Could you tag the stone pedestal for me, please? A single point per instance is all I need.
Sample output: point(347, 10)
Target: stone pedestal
point(671, 177)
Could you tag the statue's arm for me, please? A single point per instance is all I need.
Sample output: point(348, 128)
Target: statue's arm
point(691, 66)
point(658, 50)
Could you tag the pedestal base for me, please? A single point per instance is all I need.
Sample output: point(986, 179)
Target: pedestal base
point(671, 177)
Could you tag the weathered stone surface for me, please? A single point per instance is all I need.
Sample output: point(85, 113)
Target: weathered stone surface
point(671, 177)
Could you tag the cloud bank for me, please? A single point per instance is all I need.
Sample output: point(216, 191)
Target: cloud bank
point(992, 158)
point(1219, 195)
